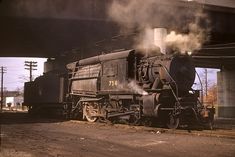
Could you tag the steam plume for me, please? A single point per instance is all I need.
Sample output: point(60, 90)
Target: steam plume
point(194, 39)
point(144, 15)
point(132, 87)
point(135, 88)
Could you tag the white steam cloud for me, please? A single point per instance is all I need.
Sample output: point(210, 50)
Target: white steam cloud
point(137, 89)
point(194, 39)
point(132, 87)
point(145, 15)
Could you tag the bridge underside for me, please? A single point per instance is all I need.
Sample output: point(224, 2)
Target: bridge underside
point(22, 37)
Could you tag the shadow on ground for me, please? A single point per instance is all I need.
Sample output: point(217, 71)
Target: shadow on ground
point(14, 117)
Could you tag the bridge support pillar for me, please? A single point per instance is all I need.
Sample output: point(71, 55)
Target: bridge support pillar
point(226, 93)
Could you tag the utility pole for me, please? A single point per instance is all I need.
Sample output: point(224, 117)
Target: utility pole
point(30, 66)
point(206, 82)
point(3, 70)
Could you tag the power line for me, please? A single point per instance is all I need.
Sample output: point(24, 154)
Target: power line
point(31, 66)
point(3, 70)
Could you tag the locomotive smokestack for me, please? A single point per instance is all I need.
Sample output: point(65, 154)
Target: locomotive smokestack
point(152, 40)
point(159, 38)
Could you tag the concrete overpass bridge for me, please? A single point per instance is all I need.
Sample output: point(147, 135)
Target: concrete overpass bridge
point(50, 28)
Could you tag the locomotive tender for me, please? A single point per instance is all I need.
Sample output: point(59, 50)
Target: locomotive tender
point(127, 85)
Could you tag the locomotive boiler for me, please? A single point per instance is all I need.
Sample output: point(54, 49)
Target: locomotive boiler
point(132, 86)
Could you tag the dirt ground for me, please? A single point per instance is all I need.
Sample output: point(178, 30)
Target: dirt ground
point(22, 136)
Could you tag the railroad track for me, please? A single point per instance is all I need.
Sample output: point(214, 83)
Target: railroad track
point(221, 129)
point(224, 132)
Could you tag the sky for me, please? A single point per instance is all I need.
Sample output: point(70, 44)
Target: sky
point(16, 75)
point(211, 77)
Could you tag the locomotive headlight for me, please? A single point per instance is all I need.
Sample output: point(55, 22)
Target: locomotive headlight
point(190, 53)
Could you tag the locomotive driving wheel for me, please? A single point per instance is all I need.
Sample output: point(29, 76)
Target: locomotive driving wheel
point(89, 112)
point(172, 122)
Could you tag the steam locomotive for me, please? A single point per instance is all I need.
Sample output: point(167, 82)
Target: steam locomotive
point(127, 85)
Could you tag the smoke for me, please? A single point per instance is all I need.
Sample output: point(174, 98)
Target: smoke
point(195, 37)
point(132, 15)
point(132, 87)
point(144, 15)
point(144, 41)
point(135, 88)
point(129, 14)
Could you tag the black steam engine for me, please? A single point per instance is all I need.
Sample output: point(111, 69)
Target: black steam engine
point(124, 85)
